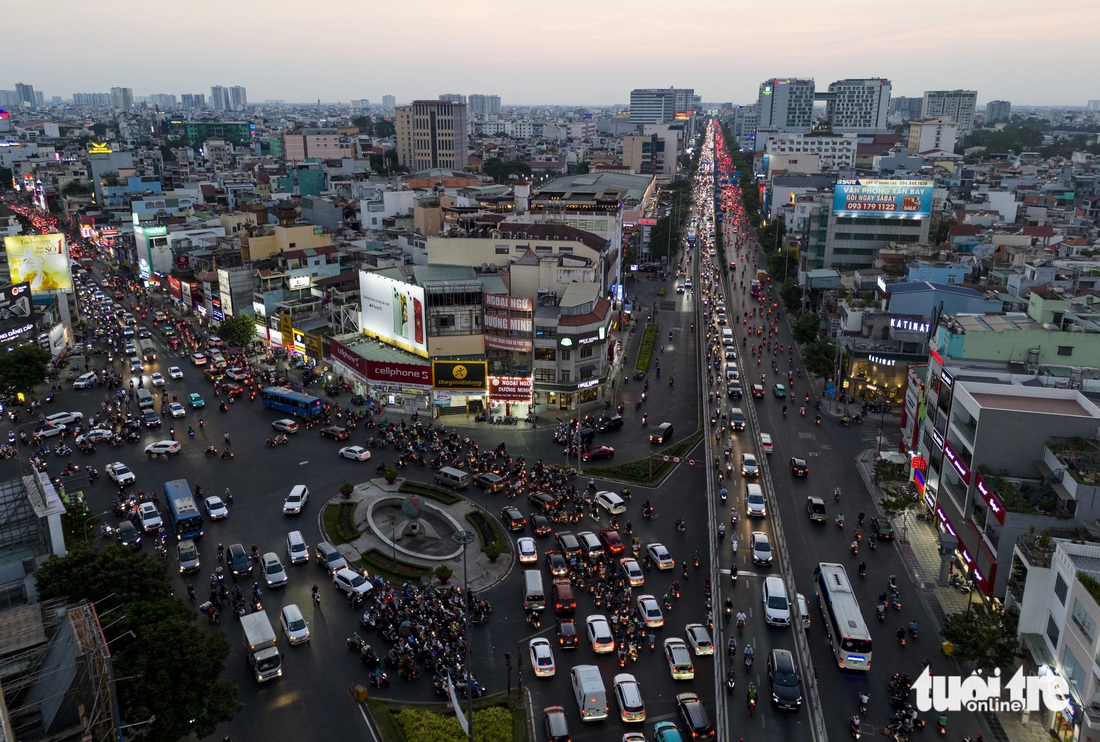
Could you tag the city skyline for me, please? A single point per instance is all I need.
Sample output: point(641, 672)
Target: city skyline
point(721, 51)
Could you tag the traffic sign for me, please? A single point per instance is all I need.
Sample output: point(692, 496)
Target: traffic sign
point(676, 459)
point(691, 462)
point(665, 458)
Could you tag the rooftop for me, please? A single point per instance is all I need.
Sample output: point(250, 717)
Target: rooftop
point(1042, 404)
point(995, 322)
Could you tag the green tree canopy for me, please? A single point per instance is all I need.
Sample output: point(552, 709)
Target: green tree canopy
point(168, 652)
point(984, 636)
point(384, 129)
point(501, 170)
point(365, 125)
point(791, 295)
point(74, 187)
point(24, 367)
point(819, 356)
point(238, 329)
point(806, 327)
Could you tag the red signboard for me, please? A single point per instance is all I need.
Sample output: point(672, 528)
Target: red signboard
point(510, 388)
point(509, 303)
point(404, 374)
point(342, 353)
point(174, 289)
point(920, 463)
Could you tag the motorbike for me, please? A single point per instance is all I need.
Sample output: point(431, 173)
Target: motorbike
point(864, 699)
point(853, 727)
point(731, 680)
point(227, 454)
point(379, 679)
point(733, 574)
point(901, 637)
point(913, 630)
point(748, 662)
point(839, 520)
point(836, 495)
point(211, 451)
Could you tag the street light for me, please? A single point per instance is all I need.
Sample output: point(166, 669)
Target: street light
point(464, 539)
point(90, 519)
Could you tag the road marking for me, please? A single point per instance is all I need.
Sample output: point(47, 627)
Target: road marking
point(744, 573)
point(303, 463)
point(812, 453)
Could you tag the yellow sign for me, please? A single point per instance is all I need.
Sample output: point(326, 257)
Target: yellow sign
point(100, 148)
point(42, 260)
point(286, 327)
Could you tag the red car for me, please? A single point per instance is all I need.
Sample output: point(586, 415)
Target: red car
point(599, 452)
point(611, 540)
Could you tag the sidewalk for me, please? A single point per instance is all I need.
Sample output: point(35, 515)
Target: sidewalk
point(919, 546)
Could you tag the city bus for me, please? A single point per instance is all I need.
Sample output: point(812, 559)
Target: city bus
point(183, 510)
point(291, 402)
point(847, 632)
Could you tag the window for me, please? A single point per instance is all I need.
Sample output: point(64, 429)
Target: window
point(567, 355)
point(1065, 350)
point(586, 351)
point(1060, 589)
point(564, 376)
point(545, 375)
point(1052, 631)
point(546, 331)
point(501, 250)
point(544, 354)
point(1083, 620)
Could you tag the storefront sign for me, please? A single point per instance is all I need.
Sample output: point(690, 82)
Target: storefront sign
point(937, 438)
point(920, 463)
point(405, 374)
point(174, 289)
point(286, 327)
point(956, 461)
point(298, 282)
point(909, 325)
point(519, 345)
point(16, 315)
point(508, 303)
point(216, 310)
point(508, 324)
point(510, 388)
point(587, 383)
point(947, 379)
point(342, 353)
point(469, 375)
point(881, 361)
point(579, 341)
point(991, 500)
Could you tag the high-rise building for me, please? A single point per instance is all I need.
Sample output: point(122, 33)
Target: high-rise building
point(238, 98)
point(785, 104)
point(858, 105)
point(25, 93)
point(389, 102)
point(659, 105)
point(431, 134)
point(1094, 104)
point(997, 110)
point(122, 98)
point(957, 105)
point(163, 101)
point(905, 108)
point(92, 99)
point(483, 105)
point(193, 101)
point(453, 97)
point(219, 98)
point(932, 134)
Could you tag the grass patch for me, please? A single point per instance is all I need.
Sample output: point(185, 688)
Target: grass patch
point(645, 350)
point(488, 531)
point(430, 491)
point(338, 520)
point(380, 563)
point(639, 470)
point(489, 726)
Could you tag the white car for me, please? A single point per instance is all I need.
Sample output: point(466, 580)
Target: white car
point(629, 696)
point(163, 447)
point(294, 624)
point(286, 425)
point(527, 551)
point(120, 474)
point(296, 548)
point(94, 436)
point(542, 658)
point(632, 571)
point(755, 504)
point(761, 548)
point(651, 611)
point(49, 430)
point(660, 557)
point(175, 372)
point(149, 517)
point(274, 573)
point(296, 500)
point(679, 659)
point(611, 502)
point(766, 443)
point(64, 418)
point(157, 378)
point(349, 581)
point(175, 409)
point(699, 639)
point(136, 365)
point(355, 453)
point(215, 508)
point(198, 359)
point(599, 634)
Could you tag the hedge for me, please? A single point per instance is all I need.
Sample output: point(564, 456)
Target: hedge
point(645, 350)
point(638, 471)
point(488, 531)
point(497, 718)
point(430, 491)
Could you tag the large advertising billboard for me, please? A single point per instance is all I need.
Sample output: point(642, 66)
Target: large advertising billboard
point(395, 312)
point(16, 314)
point(42, 260)
point(883, 199)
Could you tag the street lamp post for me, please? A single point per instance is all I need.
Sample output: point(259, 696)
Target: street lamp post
point(464, 539)
point(90, 519)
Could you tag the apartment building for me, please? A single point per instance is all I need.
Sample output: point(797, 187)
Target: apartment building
point(785, 105)
point(316, 144)
point(836, 151)
point(857, 105)
point(956, 105)
point(432, 134)
point(930, 135)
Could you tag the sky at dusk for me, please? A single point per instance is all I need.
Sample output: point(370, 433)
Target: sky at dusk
point(567, 52)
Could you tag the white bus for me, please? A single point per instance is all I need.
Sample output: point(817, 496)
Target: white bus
point(843, 620)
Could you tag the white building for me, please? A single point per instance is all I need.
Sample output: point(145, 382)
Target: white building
point(785, 105)
point(957, 105)
point(837, 151)
point(859, 105)
point(932, 134)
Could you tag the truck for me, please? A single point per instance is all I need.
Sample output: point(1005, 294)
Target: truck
point(260, 647)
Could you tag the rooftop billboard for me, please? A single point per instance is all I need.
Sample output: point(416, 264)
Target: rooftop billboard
point(883, 199)
point(42, 260)
point(395, 312)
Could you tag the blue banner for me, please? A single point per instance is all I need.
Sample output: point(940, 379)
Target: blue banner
point(883, 199)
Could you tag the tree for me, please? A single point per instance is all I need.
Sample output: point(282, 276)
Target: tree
point(384, 129)
point(169, 652)
point(806, 327)
point(984, 636)
point(23, 368)
point(365, 125)
point(501, 171)
point(819, 356)
point(76, 187)
point(238, 330)
point(791, 294)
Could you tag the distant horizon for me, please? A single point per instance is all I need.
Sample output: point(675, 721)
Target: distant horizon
point(582, 51)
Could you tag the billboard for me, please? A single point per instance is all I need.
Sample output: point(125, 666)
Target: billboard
point(511, 388)
point(394, 311)
point(883, 199)
point(16, 314)
point(42, 260)
point(466, 375)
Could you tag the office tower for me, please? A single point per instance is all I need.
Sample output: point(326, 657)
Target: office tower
point(453, 97)
point(1094, 104)
point(997, 110)
point(957, 105)
point(785, 104)
point(238, 98)
point(193, 101)
point(25, 93)
point(92, 99)
point(659, 105)
point(163, 101)
point(858, 105)
point(431, 134)
point(483, 105)
point(219, 98)
point(389, 102)
point(122, 98)
point(905, 108)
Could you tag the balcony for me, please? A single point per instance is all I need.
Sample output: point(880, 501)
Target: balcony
point(967, 430)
